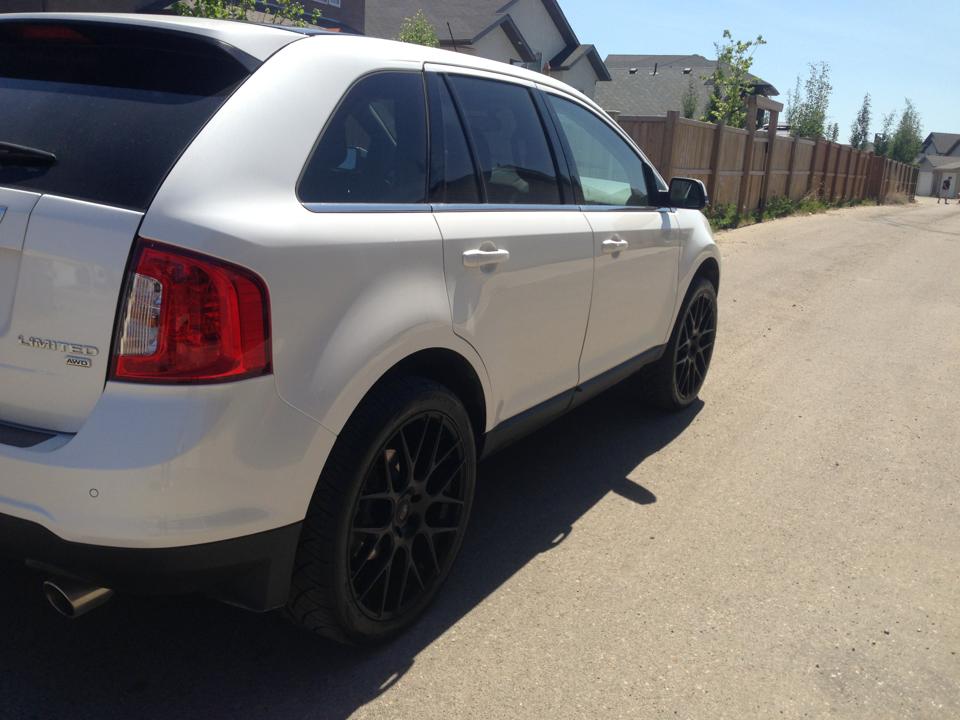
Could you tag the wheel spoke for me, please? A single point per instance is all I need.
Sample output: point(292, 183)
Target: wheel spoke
point(428, 537)
point(453, 476)
point(423, 439)
point(456, 446)
point(386, 582)
point(434, 449)
point(408, 462)
point(404, 578)
point(374, 581)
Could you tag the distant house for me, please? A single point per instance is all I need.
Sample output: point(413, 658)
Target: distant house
point(656, 84)
point(939, 159)
point(531, 33)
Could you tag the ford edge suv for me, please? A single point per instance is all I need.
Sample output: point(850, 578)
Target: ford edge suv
point(267, 295)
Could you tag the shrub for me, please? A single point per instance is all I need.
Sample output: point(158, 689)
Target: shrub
point(723, 216)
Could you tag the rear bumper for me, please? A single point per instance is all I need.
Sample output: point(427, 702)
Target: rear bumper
point(252, 571)
point(157, 467)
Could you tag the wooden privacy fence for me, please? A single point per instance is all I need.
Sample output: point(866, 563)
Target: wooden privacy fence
point(747, 168)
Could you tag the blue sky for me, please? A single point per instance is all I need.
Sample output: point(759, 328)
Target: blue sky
point(890, 49)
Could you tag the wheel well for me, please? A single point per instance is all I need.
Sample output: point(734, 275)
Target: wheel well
point(452, 370)
point(709, 269)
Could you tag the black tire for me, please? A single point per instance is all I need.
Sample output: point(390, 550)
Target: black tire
point(397, 489)
point(674, 381)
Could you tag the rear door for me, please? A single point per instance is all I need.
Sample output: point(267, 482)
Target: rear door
point(92, 117)
point(518, 257)
point(637, 245)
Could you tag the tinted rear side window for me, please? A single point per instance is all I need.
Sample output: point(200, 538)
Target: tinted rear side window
point(374, 149)
point(116, 104)
point(509, 139)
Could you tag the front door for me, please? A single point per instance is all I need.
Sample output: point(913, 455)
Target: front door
point(637, 246)
point(518, 262)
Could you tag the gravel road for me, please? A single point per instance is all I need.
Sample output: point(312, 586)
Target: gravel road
point(789, 547)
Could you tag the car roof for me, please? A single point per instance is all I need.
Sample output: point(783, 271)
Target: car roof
point(262, 40)
point(258, 41)
point(409, 52)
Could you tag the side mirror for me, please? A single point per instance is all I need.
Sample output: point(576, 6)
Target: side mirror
point(687, 193)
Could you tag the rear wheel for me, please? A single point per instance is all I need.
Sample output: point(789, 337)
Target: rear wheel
point(675, 380)
point(388, 515)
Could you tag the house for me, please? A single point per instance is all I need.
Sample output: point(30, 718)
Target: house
point(939, 159)
point(656, 84)
point(532, 33)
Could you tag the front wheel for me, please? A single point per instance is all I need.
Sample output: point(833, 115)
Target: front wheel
point(675, 380)
point(388, 516)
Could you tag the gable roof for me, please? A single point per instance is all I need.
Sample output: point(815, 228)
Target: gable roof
point(943, 143)
point(655, 84)
point(938, 162)
point(470, 20)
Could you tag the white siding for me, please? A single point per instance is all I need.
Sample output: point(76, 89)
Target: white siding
point(537, 28)
point(581, 76)
point(925, 184)
point(495, 45)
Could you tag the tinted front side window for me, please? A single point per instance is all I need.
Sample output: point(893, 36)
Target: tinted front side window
point(374, 149)
point(508, 137)
point(610, 172)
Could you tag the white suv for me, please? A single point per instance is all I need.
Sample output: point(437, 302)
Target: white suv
point(267, 295)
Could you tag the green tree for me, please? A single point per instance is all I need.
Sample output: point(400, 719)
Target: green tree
point(731, 81)
point(833, 132)
point(807, 113)
point(281, 11)
point(418, 30)
point(860, 130)
point(881, 141)
point(690, 100)
point(907, 140)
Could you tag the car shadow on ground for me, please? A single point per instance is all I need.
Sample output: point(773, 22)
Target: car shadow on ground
point(192, 658)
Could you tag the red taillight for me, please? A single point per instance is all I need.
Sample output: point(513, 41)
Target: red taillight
point(189, 318)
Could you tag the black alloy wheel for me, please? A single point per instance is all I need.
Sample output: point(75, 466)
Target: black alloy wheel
point(408, 517)
point(388, 515)
point(674, 381)
point(694, 346)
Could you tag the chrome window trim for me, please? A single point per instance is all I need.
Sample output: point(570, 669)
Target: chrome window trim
point(625, 208)
point(367, 207)
point(502, 207)
point(447, 207)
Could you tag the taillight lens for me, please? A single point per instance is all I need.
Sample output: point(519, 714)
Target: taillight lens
point(189, 318)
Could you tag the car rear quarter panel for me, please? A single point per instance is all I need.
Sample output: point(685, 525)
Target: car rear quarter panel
point(351, 293)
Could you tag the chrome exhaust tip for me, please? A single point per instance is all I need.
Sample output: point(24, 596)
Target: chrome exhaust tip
point(73, 599)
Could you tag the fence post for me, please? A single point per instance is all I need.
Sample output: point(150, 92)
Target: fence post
point(743, 198)
point(768, 170)
point(847, 188)
point(715, 154)
point(669, 143)
point(813, 168)
point(792, 167)
point(884, 178)
point(836, 173)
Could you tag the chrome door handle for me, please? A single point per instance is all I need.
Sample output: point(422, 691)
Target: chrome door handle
point(480, 258)
point(613, 245)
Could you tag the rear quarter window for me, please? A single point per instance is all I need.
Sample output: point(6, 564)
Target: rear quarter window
point(116, 104)
point(374, 148)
